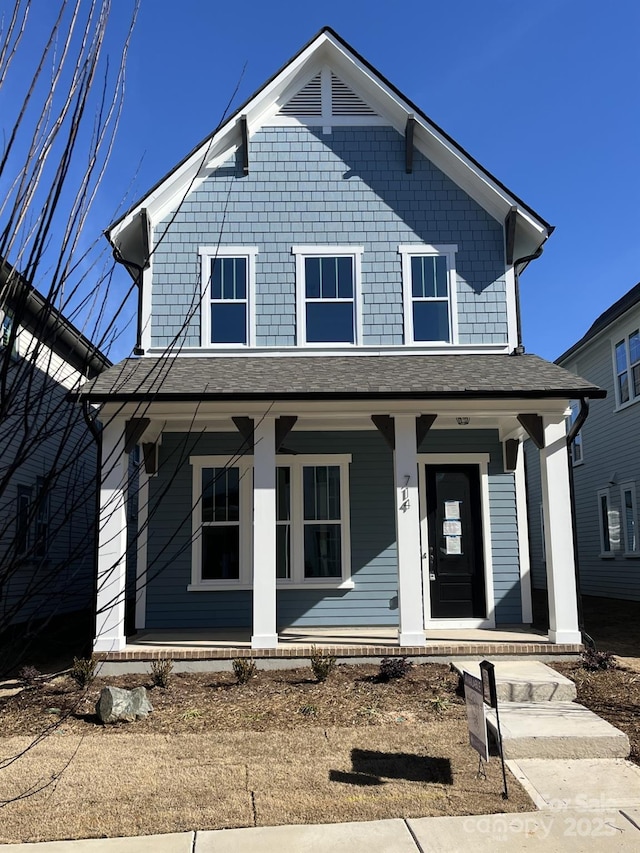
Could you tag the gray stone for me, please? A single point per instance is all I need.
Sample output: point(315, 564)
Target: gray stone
point(117, 705)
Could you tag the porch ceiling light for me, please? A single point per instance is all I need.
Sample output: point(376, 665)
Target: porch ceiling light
point(463, 421)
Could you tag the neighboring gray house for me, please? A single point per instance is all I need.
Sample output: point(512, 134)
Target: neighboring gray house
point(606, 458)
point(48, 463)
point(330, 392)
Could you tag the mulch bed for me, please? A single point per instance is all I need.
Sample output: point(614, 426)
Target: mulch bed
point(352, 696)
point(613, 694)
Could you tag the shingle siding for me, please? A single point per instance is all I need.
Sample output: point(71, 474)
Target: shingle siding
point(347, 187)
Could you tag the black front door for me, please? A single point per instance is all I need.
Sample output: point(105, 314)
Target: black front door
point(455, 558)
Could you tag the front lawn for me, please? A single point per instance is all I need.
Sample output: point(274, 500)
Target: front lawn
point(282, 748)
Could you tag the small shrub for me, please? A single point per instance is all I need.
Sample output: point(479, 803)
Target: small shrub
point(593, 660)
point(161, 672)
point(393, 668)
point(322, 664)
point(29, 675)
point(439, 704)
point(244, 669)
point(83, 670)
point(308, 710)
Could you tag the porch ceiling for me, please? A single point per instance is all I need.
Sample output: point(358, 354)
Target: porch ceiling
point(330, 377)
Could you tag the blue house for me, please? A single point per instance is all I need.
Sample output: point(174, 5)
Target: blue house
point(48, 462)
point(329, 386)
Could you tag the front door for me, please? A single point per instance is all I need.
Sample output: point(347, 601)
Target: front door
point(455, 552)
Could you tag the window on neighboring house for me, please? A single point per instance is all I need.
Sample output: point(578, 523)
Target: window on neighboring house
point(627, 368)
point(609, 521)
point(22, 519)
point(327, 286)
point(629, 518)
point(228, 286)
point(576, 445)
point(312, 521)
point(5, 328)
point(41, 519)
point(428, 276)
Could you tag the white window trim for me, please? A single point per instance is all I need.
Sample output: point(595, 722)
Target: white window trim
point(245, 580)
point(603, 553)
point(629, 486)
point(623, 336)
point(411, 250)
point(303, 252)
point(207, 254)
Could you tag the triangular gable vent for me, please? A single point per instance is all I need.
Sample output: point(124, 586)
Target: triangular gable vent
point(308, 101)
point(343, 100)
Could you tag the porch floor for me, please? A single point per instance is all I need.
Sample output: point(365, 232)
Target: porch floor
point(365, 642)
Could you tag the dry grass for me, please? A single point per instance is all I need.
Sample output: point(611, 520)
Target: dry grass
point(214, 754)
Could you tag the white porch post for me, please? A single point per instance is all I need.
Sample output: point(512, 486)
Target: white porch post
point(556, 507)
point(141, 561)
point(411, 628)
point(112, 541)
point(264, 535)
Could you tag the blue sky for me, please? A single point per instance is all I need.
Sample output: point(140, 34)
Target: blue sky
point(545, 95)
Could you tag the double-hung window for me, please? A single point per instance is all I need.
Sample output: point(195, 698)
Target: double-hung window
point(328, 287)
point(221, 552)
point(312, 522)
point(23, 514)
point(228, 287)
point(629, 519)
point(429, 293)
point(41, 518)
point(627, 368)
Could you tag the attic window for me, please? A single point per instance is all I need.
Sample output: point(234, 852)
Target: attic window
point(326, 96)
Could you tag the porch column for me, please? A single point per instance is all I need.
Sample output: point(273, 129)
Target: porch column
point(264, 535)
point(558, 538)
point(411, 628)
point(112, 540)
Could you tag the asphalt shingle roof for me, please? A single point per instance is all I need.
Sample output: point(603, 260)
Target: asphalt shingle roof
point(336, 377)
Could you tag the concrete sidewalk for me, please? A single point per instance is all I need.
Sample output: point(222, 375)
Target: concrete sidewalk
point(584, 805)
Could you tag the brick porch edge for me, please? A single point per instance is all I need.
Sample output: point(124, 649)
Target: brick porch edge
point(436, 650)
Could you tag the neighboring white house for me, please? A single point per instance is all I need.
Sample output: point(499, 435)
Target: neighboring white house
point(48, 459)
point(606, 457)
point(330, 390)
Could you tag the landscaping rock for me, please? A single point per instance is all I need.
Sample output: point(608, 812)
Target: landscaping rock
point(116, 705)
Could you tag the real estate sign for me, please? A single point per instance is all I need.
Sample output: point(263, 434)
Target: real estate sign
point(476, 720)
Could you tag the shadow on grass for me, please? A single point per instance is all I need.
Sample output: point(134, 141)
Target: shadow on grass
point(371, 767)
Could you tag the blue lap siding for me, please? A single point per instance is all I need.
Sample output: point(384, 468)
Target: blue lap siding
point(373, 600)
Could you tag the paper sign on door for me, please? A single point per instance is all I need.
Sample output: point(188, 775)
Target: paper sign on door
point(452, 509)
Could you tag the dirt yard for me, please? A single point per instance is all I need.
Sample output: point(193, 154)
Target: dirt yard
point(282, 748)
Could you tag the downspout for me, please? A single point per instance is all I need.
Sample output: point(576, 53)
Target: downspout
point(576, 426)
point(137, 350)
point(519, 350)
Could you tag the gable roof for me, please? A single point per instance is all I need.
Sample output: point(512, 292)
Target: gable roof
point(36, 314)
point(629, 300)
point(396, 377)
point(360, 81)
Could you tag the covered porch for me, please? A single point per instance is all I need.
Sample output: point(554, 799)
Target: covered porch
point(375, 574)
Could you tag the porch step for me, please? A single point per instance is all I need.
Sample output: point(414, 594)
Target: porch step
point(556, 730)
point(525, 681)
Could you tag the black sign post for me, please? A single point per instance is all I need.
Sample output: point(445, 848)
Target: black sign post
point(490, 695)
